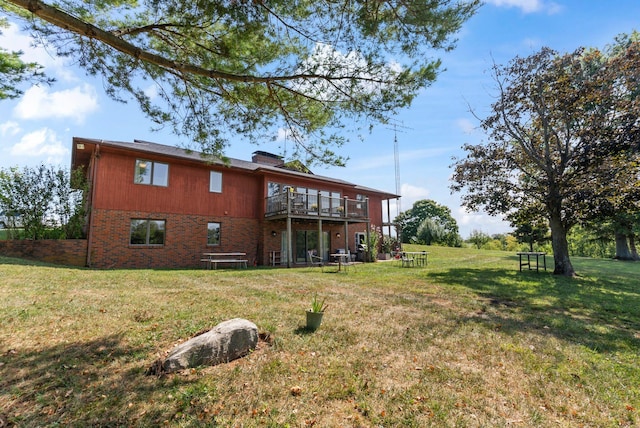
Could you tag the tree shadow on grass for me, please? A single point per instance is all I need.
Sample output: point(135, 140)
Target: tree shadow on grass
point(95, 383)
point(601, 314)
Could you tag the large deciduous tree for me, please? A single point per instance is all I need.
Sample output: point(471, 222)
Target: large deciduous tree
point(530, 224)
point(622, 194)
point(214, 69)
point(428, 222)
point(615, 200)
point(558, 132)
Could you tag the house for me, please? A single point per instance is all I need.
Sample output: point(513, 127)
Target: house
point(156, 206)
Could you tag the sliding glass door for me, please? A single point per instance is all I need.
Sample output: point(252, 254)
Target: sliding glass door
point(307, 240)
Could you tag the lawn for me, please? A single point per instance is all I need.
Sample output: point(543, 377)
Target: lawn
point(466, 341)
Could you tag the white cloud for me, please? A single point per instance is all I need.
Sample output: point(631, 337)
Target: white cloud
point(75, 103)
point(283, 135)
point(9, 129)
point(152, 91)
point(554, 8)
point(387, 160)
point(43, 143)
point(419, 154)
point(529, 6)
point(466, 126)
point(13, 39)
point(470, 221)
point(411, 194)
point(532, 44)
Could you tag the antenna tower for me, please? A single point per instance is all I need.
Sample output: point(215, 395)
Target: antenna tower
point(396, 159)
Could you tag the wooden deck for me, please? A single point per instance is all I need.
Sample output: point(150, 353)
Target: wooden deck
point(297, 205)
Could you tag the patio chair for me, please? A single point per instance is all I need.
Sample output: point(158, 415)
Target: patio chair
point(407, 260)
point(314, 260)
point(348, 261)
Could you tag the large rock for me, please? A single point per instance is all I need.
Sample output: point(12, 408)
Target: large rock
point(227, 341)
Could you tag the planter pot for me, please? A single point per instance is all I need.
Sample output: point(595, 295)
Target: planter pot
point(384, 256)
point(314, 319)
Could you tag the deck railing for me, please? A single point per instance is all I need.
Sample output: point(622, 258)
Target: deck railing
point(303, 204)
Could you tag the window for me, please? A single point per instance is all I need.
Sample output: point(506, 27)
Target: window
point(147, 232)
point(215, 182)
point(213, 234)
point(152, 173)
point(273, 188)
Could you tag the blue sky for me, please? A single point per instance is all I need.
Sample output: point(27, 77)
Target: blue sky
point(39, 126)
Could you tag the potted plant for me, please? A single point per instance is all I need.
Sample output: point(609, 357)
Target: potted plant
point(315, 313)
point(386, 244)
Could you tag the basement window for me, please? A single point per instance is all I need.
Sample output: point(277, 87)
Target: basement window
point(147, 232)
point(213, 234)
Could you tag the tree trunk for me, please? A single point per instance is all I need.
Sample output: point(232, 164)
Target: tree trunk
point(632, 245)
point(560, 246)
point(622, 247)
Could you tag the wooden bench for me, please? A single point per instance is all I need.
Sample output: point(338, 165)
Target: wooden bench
point(212, 260)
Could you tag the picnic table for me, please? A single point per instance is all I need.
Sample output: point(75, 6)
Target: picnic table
point(343, 259)
point(213, 259)
point(528, 261)
point(413, 258)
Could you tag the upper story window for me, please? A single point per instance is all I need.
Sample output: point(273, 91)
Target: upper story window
point(152, 173)
point(273, 188)
point(215, 182)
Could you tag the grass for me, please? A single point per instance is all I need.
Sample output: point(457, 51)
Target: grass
point(467, 341)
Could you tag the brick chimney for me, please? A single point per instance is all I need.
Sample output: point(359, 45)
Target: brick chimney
point(267, 158)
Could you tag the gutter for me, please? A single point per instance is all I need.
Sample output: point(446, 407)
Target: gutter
point(94, 175)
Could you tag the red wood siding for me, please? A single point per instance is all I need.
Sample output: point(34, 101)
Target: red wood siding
point(187, 191)
point(375, 211)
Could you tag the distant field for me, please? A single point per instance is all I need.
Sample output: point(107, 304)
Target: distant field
point(466, 341)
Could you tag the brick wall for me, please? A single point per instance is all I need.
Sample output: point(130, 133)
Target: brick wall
point(185, 240)
point(71, 252)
